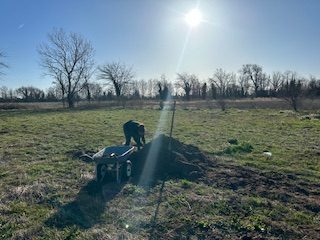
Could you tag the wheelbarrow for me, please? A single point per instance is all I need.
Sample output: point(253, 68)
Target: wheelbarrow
point(113, 163)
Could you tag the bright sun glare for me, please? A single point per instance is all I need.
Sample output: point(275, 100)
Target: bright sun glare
point(194, 17)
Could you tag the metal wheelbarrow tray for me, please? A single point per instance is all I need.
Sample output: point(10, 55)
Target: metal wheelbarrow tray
point(113, 162)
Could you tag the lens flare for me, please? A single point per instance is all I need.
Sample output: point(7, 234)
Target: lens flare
point(154, 151)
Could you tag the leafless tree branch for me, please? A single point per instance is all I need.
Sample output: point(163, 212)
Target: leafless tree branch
point(2, 63)
point(117, 74)
point(68, 58)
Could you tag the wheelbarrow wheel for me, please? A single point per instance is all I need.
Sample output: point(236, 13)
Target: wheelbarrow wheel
point(101, 173)
point(126, 171)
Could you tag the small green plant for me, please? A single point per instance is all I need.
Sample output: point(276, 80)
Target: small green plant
point(132, 189)
point(186, 184)
point(242, 148)
point(204, 224)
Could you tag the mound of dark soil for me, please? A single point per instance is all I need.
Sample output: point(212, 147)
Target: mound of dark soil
point(160, 161)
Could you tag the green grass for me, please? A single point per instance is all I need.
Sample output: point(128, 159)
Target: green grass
point(292, 141)
point(41, 184)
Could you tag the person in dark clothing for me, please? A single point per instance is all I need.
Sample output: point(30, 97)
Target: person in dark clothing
point(136, 131)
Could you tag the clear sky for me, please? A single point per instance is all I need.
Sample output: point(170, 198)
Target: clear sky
point(150, 35)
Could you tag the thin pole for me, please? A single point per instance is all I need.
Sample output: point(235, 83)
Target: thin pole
point(171, 129)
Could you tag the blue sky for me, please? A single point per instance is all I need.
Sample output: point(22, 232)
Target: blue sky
point(149, 35)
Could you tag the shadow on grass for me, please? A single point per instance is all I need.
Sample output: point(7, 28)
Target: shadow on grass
point(87, 209)
point(154, 220)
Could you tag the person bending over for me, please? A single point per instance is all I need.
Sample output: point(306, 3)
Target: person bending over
point(135, 130)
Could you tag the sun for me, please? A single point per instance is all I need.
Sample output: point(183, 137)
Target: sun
point(193, 18)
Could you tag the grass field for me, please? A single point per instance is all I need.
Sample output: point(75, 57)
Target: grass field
point(46, 193)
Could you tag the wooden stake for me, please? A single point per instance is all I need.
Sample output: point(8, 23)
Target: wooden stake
point(171, 129)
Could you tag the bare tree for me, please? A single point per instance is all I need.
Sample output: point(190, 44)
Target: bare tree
point(68, 58)
point(7, 94)
point(233, 90)
point(142, 87)
point(132, 90)
point(136, 88)
point(151, 86)
point(243, 81)
point(221, 80)
point(96, 90)
point(185, 82)
point(117, 74)
point(256, 76)
point(276, 82)
point(204, 90)
point(213, 91)
point(196, 88)
point(30, 94)
point(87, 85)
point(52, 94)
point(313, 87)
point(12, 96)
point(264, 85)
point(36, 94)
point(87, 91)
point(164, 88)
point(2, 63)
point(61, 85)
point(4, 92)
point(23, 92)
point(291, 89)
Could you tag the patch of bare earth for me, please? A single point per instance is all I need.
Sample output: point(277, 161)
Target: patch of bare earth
point(286, 188)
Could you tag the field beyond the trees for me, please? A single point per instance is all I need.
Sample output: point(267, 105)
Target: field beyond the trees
point(46, 192)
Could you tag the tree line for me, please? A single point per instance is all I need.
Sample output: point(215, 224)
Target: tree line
point(68, 59)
